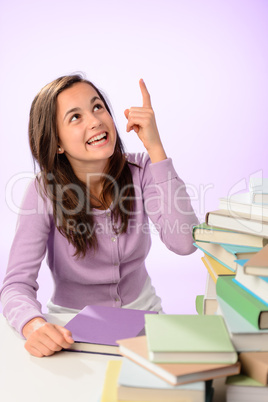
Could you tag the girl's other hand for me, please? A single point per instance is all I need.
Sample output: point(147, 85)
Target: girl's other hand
point(44, 339)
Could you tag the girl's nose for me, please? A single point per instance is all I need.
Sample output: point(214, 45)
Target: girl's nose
point(93, 122)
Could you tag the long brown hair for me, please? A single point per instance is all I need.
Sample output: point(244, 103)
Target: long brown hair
point(58, 180)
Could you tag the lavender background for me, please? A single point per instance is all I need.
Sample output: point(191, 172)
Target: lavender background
point(205, 64)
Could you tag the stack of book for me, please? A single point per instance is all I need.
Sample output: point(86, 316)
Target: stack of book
point(173, 357)
point(126, 381)
point(175, 360)
point(235, 233)
point(237, 285)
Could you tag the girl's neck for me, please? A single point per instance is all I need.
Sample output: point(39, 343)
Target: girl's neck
point(91, 174)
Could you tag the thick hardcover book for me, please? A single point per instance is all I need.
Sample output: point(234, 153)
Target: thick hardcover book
point(109, 390)
point(260, 198)
point(252, 309)
point(256, 285)
point(245, 337)
point(176, 338)
point(241, 222)
point(258, 263)
point(215, 268)
point(212, 234)
point(245, 389)
point(96, 329)
point(136, 349)
point(138, 384)
point(243, 203)
point(210, 303)
point(110, 393)
point(255, 365)
point(226, 254)
point(258, 187)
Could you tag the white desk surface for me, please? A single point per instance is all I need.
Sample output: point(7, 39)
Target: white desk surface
point(65, 376)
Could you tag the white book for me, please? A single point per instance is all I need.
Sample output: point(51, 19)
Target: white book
point(210, 303)
point(258, 184)
point(243, 203)
point(257, 285)
point(244, 336)
point(258, 187)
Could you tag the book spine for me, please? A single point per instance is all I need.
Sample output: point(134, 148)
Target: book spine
point(199, 304)
point(216, 249)
point(211, 273)
point(240, 300)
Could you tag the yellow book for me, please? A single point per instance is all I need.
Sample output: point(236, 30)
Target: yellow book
point(109, 391)
point(215, 268)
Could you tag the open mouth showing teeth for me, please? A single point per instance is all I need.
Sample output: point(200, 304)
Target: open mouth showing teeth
point(98, 139)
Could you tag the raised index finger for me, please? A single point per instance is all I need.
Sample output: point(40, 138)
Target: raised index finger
point(146, 99)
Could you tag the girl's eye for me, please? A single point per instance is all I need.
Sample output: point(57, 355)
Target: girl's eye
point(75, 117)
point(97, 107)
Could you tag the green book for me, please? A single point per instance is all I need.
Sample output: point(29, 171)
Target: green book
point(173, 338)
point(199, 303)
point(243, 380)
point(246, 389)
point(212, 234)
point(250, 307)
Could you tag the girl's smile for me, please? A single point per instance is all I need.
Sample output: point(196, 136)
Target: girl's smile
point(98, 140)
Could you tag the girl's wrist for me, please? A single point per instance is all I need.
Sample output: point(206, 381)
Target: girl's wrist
point(32, 325)
point(157, 153)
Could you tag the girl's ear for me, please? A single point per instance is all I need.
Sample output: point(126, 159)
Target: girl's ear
point(60, 150)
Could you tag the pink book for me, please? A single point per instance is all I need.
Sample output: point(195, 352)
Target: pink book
point(95, 329)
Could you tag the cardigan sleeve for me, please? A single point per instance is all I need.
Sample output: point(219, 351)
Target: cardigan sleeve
point(18, 293)
point(168, 205)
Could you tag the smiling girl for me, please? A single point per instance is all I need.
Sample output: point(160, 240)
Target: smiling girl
point(88, 211)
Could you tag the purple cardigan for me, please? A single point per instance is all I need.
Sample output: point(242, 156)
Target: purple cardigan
point(116, 273)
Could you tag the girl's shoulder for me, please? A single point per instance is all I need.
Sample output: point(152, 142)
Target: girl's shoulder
point(35, 195)
point(36, 186)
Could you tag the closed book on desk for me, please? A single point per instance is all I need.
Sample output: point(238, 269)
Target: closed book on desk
point(95, 329)
point(241, 222)
point(174, 373)
point(188, 339)
point(251, 308)
point(258, 263)
point(109, 391)
point(189, 393)
point(245, 337)
point(255, 365)
point(213, 234)
point(138, 384)
point(240, 388)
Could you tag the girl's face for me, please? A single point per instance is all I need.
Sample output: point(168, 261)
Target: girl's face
point(86, 130)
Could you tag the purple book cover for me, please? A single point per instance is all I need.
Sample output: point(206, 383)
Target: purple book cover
point(105, 325)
